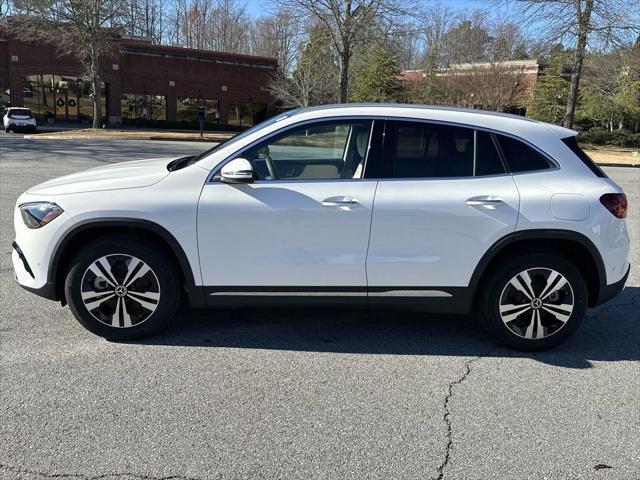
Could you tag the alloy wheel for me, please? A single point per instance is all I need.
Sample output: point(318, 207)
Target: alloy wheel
point(120, 290)
point(536, 303)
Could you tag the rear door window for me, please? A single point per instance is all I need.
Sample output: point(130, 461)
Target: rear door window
point(488, 160)
point(426, 150)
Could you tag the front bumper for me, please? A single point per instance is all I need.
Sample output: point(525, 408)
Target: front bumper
point(607, 292)
point(24, 276)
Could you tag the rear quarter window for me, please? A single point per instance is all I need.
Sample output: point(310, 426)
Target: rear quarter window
point(572, 143)
point(520, 157)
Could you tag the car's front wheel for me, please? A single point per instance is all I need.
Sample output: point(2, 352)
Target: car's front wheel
point(534, 301)
point(122, 289)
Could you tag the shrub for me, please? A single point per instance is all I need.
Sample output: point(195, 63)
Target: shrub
point(619, 138)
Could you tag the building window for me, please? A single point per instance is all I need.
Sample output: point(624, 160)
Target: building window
point(143, 107)
point(188, 106)
point(60, 97)
point(246, 114)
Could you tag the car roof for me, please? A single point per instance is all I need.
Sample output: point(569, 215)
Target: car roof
point(18, 108)
point(499, 121)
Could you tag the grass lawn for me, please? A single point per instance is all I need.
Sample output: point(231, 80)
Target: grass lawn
point(604, 154)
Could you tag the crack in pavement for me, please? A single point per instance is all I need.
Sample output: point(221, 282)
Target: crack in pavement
point(105, 476)
point(447, 411)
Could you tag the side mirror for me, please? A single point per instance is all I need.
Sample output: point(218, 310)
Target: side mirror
point(238, 170)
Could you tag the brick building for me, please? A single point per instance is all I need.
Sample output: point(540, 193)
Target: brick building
point(141, 81)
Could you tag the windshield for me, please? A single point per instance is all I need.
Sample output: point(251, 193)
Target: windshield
point(238, 137)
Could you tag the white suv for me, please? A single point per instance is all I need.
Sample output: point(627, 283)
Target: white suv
point(440, 209)
point(16, 118)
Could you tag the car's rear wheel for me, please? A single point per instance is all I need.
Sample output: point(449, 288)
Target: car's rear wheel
point(122, 289)
point(534, 302)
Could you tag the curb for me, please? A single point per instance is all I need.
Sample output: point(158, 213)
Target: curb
point(80, 137)
point(204, 140)
point(630, 165)
point(87, 137)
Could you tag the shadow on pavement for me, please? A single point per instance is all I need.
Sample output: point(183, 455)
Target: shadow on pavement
point(608, 333)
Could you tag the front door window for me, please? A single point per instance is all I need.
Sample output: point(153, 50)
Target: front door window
point(325, 151)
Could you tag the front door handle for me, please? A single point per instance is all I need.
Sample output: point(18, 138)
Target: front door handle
point(339, 202)
point(486, 201)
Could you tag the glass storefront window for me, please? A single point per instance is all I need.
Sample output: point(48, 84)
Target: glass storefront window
point(246, 114)
point(60, 97)
point(187, 109)
point(143, 107)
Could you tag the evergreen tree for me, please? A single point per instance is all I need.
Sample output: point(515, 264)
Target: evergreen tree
point(548, 98)
point(379, 78)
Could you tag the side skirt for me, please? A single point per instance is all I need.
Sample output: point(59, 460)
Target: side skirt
point(455, 300)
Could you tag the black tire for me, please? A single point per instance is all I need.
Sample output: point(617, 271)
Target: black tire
point(551, 324)
point(121, 254)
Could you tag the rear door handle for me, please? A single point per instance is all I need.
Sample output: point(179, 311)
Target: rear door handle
point(486, 201)
point(339, 202)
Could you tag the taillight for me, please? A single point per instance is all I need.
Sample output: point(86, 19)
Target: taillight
point(616, 203)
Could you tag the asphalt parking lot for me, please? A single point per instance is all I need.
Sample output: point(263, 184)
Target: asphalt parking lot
point(304, 394)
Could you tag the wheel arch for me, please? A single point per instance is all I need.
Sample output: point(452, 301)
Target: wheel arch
point(89, 230)
point(575, 246)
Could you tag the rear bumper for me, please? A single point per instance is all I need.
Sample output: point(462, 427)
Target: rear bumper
point(21, 126)
point(607, 292)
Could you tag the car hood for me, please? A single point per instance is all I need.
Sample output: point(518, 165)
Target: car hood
point(139, 173)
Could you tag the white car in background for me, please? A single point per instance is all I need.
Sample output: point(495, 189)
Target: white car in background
point(443, 210)
point(18, 118)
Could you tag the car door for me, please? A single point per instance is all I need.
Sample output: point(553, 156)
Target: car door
point(443, 199)
point(301, 229)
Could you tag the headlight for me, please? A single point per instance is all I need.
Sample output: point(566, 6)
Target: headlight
point(38, 214)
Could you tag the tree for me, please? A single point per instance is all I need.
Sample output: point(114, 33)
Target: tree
point(75, 27)
point(143, 18)
point(228, 27)
point(278, 36)
point(221, 25)
point(314, 80)
point(379, 79)
point(506, 42)
point(582, 21)
point(468, 41)
point(190, 19)
point(610, 95)
point(348, 22)
point(5, 6)
point(548, 97)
